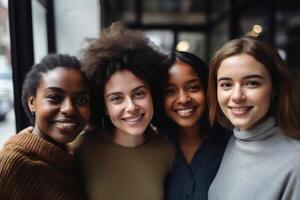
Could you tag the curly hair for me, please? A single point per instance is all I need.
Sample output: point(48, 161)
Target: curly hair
point(34, 76)
point(119, 48)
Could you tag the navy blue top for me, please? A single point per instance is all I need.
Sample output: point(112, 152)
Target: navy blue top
point(192, 181)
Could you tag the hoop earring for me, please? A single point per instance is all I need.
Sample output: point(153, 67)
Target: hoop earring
point(154, 128)
point(105, 122)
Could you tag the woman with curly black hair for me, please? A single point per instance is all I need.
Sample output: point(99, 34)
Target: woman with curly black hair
point(122, 156)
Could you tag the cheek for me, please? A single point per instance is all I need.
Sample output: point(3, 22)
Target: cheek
point(167, 103)
point(111, 110)
point(221, 96)
point(263, 100)
point(199, 97)
point(149, 105)
point(85, 113)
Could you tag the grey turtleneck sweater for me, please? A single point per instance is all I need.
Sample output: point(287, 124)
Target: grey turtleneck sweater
point(259, 164)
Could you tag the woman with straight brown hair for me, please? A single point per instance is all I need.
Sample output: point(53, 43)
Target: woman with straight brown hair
point(250, 89)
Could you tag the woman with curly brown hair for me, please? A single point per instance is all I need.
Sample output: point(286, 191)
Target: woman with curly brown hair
point(122, 157)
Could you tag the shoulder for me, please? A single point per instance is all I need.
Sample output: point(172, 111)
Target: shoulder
point(161, 143)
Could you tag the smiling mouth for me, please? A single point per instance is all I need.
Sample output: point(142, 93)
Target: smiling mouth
point(133, 119)
point(240, 110)
point(186, 112)
point(66, 124)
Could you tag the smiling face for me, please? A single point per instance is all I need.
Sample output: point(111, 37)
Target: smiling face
point(184, 101)
point(128, 103)
point(61, 105)
point(244, 90)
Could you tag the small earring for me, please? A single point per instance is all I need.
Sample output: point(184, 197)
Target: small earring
point(105, 121)
point(33, 114)
point(154, 128)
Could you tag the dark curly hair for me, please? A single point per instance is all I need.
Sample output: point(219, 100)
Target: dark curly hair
point(34, 76)
point(119, 48)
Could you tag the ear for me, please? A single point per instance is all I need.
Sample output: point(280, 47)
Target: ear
point(31, 103)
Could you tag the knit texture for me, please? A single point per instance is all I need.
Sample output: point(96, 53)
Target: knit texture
point(261, 164)
point(32, 168)
point(114, 172)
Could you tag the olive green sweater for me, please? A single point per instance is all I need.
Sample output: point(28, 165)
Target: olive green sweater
point(32, 168)
point(114, 172)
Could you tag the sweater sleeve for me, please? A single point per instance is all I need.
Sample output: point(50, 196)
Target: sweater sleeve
point(292, 185)
point(24, 178)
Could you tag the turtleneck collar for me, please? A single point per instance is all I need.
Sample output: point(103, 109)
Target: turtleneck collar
point(258, 133)
point(45, 150)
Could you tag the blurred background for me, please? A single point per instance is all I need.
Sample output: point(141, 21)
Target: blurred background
point(30, 29)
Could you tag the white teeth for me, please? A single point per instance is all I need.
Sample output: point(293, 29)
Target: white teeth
point(240, 109)
point(185, 112)
point(133, 119)
point(66, 124)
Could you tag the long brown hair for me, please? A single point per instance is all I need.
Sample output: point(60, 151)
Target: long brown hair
point(285, 104)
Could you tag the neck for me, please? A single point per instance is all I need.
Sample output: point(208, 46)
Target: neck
point(127, 140)
point(37, 132)
point(189, 135)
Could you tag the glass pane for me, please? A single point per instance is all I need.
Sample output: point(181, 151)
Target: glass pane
point(75, 21)
point(39, 25)
point(7, 116)
point(163, 39)
point(174, 11)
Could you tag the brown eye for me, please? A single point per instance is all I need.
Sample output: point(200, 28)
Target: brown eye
point(169, 91)
point(84, 100)
point(116, 99)
point(54, 98)
point(252, 84)
point(140, 94)
point(225, 85)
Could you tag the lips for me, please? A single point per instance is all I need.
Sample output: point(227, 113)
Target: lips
point(240, 110)
point(185, 112)
point(66, 123)
point(133, 119)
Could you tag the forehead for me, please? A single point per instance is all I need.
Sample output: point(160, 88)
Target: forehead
point(123, 81)
point(181, 71)
point(61, 77)
point(241, 65)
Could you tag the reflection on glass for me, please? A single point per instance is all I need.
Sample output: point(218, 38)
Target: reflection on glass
point(39, 25)
point(7, 117)
point(162, 39)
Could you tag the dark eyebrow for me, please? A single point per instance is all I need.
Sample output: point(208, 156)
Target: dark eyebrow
point(188, 82)
point(246, 77)
point(224, 79)
point(139, 87)
point(120, 93)
point(57, 89)
point(253, 76)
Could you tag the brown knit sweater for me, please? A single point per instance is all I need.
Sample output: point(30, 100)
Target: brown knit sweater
point(32, 168)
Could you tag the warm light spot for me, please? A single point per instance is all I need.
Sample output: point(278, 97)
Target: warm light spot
point(183, 46)
point(257, 29)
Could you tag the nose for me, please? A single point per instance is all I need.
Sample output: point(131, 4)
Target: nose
point(67, 107)
point(131, 106)
point(238, 94)
point(183, 97)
